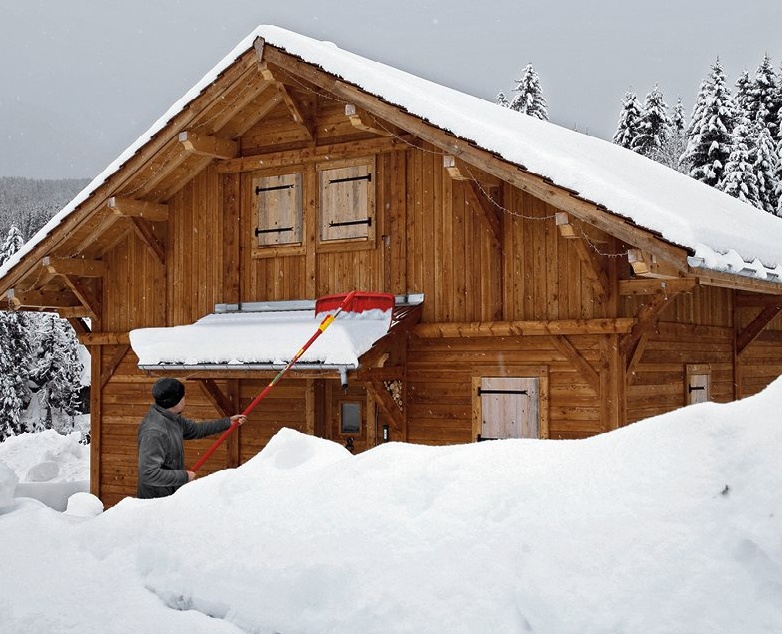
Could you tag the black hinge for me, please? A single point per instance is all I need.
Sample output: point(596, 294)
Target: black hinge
point(346, 223)
point(481, 391)
point(347, 179)
point(280, 230)
point(693, 388)
point(258, 190)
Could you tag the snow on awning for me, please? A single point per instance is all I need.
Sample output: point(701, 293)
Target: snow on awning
point(260, 339)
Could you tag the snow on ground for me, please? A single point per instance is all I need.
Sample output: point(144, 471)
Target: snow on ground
point(47, 466)
point(673, 524)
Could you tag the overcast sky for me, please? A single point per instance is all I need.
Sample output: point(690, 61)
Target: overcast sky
point(80, 80)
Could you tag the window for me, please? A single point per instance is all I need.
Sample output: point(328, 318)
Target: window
point(347, 201)
point(277, 201)
point(350, 417)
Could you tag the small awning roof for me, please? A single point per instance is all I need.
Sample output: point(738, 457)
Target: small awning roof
point(262, 336)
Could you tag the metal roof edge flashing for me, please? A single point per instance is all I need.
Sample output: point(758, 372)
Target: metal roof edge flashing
point(407, 299)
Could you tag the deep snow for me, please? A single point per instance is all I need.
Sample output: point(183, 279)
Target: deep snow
point(673, 524)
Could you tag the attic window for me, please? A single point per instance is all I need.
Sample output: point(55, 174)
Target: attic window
point(347, 201)
point(276, 205)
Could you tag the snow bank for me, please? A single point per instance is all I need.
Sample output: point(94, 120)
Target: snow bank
point(48, 466)
point(669, 525)
point(8, 480)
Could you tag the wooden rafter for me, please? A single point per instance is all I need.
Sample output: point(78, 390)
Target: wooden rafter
point(45, 300)
point(359, 121)
point(756, 326)
point(74, 266)
point(131, 208)
point(206, 145)
point(645, 264)
point(568, 350)
point(593, 265)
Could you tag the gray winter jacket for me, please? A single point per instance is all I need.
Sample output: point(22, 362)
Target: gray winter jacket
point(161, 452)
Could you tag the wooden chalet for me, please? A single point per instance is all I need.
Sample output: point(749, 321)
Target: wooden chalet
point(527, 306)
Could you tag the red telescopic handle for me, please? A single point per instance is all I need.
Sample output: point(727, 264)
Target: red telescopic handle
point(327, 320)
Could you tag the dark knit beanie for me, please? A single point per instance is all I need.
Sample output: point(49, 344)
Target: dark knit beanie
point(167, 392)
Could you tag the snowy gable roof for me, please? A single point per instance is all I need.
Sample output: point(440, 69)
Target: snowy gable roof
point(718, 229)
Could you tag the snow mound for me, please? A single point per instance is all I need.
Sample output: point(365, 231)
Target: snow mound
point(35, 457)
point(8, 480)
point(668, 525)
point(84, 504)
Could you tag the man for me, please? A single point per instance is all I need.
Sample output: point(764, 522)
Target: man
point(161, 453)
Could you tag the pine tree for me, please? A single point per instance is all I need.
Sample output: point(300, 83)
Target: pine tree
point(765, 163)
point(743, 95)
point(739, 179)
point(529, 98)
point(14, 355)
point(628, 128)
point(502, 100)
point(654, 127)
point(709, 139)
point(763, 96)
point(676, 142)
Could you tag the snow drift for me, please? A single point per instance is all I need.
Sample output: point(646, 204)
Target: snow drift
point(673, 524)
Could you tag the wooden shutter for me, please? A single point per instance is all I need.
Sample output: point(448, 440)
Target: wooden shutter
point(347, 201)
point(509, 407)
point(278, 209)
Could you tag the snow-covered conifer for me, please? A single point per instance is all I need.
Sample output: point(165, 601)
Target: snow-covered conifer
point(529, 95)
point(739, 178)
point(502, 100)
point(765, 163)
point(654, 127)
point(709, 140)
point(628, 128)
point(763, 96)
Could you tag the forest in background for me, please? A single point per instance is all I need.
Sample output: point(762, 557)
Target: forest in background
point(42, 375)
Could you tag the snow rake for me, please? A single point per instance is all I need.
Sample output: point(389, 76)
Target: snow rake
point(353, 302)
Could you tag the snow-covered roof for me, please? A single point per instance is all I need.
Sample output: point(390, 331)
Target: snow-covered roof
point(716, 227)
point(266, 339)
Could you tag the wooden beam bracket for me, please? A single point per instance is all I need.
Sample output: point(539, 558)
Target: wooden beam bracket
point(130, 208)
point(593, 265)
point(756, 326)
point(206, 145)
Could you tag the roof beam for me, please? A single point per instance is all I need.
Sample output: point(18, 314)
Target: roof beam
point(358, 122)
point(73, 266)
point(645, 264)
point(40, 299)
point(206, 145)
point(130, 208)
point(652, 286)
point(609, 326)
